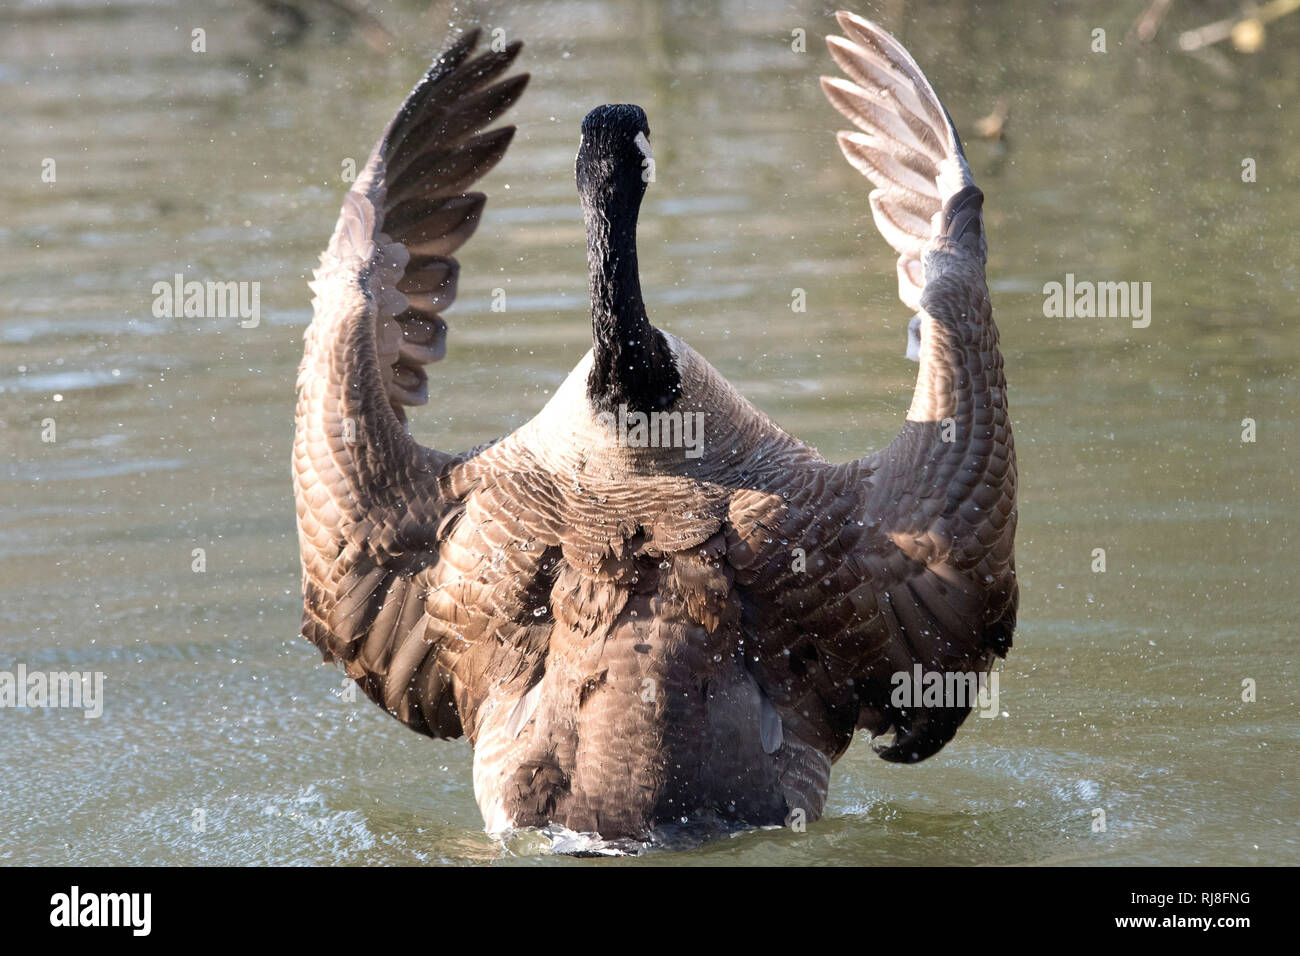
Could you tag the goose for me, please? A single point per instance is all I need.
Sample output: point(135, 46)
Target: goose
point(635, 634)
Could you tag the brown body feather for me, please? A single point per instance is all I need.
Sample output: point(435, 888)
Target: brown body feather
point(630, 636)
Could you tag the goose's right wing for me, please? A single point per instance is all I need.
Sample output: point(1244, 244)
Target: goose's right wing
point(369, 500)
point(906, 557)
point(906, 144)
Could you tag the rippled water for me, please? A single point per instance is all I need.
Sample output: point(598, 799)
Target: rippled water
point(1124, 689)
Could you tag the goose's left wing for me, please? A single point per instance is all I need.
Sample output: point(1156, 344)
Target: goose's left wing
point(371, 509)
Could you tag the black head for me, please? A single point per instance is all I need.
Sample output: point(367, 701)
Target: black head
point(633, 363)
point(614, 162)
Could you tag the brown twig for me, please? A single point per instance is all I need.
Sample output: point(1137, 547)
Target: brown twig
point(1148, 24)
point(1246, 32)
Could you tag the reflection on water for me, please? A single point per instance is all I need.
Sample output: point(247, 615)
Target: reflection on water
point(225, 741)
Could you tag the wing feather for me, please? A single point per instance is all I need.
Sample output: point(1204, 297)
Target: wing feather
point(906, 143)
point(371, 510)
point(906, 557)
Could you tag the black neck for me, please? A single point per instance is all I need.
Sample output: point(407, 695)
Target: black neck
point(633, 363)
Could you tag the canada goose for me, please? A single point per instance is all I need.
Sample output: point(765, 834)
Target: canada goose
point(630, 634)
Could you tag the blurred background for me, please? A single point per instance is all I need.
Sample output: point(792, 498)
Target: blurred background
point(1124, 691)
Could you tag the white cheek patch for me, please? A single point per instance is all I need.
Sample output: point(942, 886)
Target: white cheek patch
point(647, 158)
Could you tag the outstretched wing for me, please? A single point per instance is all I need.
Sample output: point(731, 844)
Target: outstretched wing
point(369, 506)
point(861, 573)
point(906, 143)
